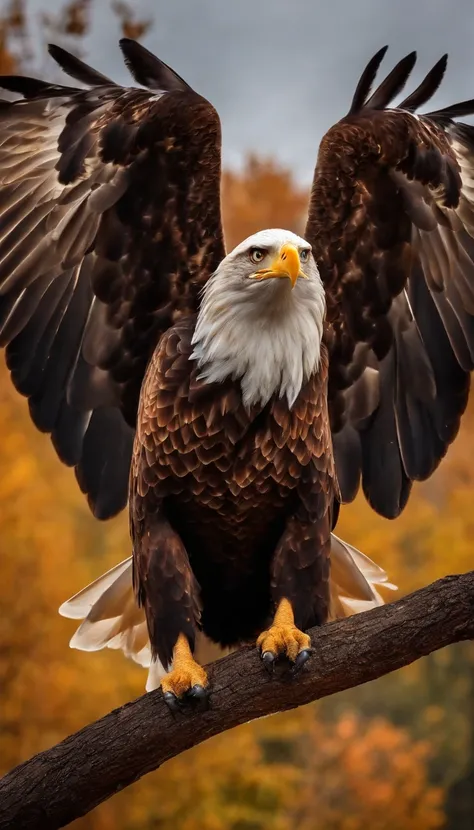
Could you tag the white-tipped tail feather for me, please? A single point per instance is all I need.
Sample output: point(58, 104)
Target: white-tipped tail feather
point(112, 619)
point(354, 580)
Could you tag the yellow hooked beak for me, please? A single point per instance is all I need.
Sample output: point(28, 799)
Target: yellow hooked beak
point(286, 264)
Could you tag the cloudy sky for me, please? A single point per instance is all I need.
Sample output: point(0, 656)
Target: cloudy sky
point(280, 72)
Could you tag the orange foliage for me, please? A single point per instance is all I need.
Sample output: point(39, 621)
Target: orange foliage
point(7, 60)
point(68, 27)
point(356, 775)
point(131, 26)
point(12, 23)
point(262, 196)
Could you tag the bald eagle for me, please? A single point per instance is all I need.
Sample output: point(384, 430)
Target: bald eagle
point(234, 400)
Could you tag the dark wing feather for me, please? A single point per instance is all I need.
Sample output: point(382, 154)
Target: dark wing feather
point(427, 88)
point(109, 226)
point(148, 70)
point(392, 85)
point(31, 87)
point(364, 87)
point(392, 227)
point(76, 68)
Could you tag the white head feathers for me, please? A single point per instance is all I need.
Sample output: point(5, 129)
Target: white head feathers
point(262, 330)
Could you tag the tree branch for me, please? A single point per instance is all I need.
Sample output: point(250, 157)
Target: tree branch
point(57, 786)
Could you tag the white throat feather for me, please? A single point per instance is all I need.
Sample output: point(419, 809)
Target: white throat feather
point(264, 334)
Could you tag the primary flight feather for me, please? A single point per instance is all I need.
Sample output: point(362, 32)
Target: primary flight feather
point(235, 400)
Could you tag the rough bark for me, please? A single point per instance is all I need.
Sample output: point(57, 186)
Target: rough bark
point(57, 786)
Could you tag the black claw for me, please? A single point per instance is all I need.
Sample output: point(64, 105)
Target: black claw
point(195, 699)
point(301, 659)
point(281, 665)
point(269, 659)
point(173, 703)
point(199, 695)
point(198, 691)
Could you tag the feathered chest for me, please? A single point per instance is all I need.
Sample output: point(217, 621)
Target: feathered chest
point(198, 440)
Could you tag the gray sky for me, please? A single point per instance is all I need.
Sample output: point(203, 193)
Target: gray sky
point(280, 72)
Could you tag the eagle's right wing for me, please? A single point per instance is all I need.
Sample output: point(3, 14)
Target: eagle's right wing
point(391, 223)
point(109, 226)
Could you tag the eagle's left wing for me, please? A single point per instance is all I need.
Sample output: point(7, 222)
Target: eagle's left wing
point(109, 226)
point(392, 228)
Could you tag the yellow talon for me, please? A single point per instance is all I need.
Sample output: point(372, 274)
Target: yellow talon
point(186, 672)
point(280, 641)
point(283, 637)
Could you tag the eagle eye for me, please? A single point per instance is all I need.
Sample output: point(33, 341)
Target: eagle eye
point(257, 255)
point(304, 255)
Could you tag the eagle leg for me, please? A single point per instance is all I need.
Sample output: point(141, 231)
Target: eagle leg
point(284, 639)
point(187, 681)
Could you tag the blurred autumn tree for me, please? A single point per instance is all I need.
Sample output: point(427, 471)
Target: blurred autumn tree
point(405, 761)
point(263, 195)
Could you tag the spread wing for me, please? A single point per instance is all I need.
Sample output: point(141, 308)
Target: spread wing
point(109, 225)
point(392, 227)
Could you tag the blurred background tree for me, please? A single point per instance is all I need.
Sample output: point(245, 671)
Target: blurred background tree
point(395, 754)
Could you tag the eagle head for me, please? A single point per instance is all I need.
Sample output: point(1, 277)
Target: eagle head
point(261, 318)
